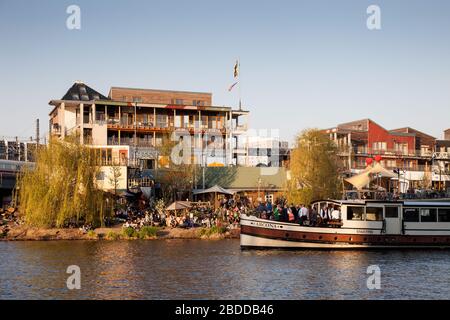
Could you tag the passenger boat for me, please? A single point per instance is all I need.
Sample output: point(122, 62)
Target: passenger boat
point(362, 224)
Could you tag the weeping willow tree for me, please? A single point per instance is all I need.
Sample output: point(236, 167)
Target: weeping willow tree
point(314, 168)
point(61, 188)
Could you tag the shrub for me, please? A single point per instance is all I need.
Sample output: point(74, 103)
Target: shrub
point(148, 232)
point(130, 232)
point(111, 235)
point(213, 230)
point(92, 235)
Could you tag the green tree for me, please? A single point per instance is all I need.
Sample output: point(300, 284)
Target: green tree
point(61, 188)
point(115, 173)
point(314, 168)
point(175, 178)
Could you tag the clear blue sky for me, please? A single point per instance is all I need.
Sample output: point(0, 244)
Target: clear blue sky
point(303, 63)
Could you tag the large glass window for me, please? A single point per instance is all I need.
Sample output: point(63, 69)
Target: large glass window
point(374, 214)
point(178, 120)
point(428, 215)
point(355, 213)
point(411, 214)
point(391, 212)
point(161, 120)
point(379, 146)
point(444, 215)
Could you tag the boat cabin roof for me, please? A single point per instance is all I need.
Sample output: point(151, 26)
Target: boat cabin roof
point(416, 203)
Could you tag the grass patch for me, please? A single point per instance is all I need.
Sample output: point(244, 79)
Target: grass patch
point(92, 235)
point(207, 232)
point(147, 232)
point(129, 233)
point(111, 235)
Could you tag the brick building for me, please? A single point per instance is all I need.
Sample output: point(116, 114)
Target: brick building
point(406, 149)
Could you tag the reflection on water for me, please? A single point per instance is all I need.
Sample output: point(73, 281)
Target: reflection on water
point(196, 269)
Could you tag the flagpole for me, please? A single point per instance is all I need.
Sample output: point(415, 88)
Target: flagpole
point(240, 83)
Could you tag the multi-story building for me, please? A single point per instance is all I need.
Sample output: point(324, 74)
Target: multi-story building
point(264, 151)
point(132, 123)
point(408, 150)
point(15, 150)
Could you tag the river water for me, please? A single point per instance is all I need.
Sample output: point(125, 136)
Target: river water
point(198, 269)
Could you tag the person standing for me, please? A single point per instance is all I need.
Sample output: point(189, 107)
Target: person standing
point(313, 217)
point(303, 214)
point(276, 213)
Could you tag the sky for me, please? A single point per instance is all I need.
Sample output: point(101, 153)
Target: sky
point(304, 64)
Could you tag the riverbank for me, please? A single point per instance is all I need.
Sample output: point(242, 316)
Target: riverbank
point(24, 233)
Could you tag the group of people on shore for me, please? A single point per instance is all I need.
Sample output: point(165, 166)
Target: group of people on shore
point(198, 215)
point(299, 214)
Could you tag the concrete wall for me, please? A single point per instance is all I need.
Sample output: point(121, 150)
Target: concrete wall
point(70, 118)
point(100, 134)
point(159, 96)
point(106, 175)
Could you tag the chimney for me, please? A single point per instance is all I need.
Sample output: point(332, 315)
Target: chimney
point(447, 134)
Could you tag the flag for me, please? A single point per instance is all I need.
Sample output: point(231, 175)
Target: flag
point(236, 69)
point(232, 86)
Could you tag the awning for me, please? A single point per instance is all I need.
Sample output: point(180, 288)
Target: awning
point(364, 178)
point(215, 189)
point(179, 205)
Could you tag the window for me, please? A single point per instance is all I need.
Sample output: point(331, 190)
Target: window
point(380, 146)
point(411, 215)
point(355, 213)
point(161, 120)
point(198, 103)
point(444, 215)
point(428, 215)
point(100, 176)
point(269, 197)
point(178, 120)
point(83, 90)
point(177, 101)
point(391, 212)
point(401, 147)
point(374, 214)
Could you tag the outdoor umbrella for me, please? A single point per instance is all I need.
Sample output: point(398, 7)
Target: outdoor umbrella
point(179, 205)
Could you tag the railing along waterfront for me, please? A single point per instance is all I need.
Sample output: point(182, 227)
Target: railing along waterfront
point(419, 168)
point(345, 151)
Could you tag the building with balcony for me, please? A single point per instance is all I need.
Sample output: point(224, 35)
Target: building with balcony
point(133, 123)
point(264, 152)
point(406, 149)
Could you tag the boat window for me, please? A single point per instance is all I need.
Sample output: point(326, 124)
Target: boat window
point(391, 212)
point(411, 214)
point(374, 213)
point(355, 213)
point(444, 215)
point(428, 215)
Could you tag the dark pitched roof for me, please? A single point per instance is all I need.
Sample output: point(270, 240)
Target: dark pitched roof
point(81, 92)
point(413, 131)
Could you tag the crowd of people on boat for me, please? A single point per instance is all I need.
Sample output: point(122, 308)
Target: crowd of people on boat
point(301, 214)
